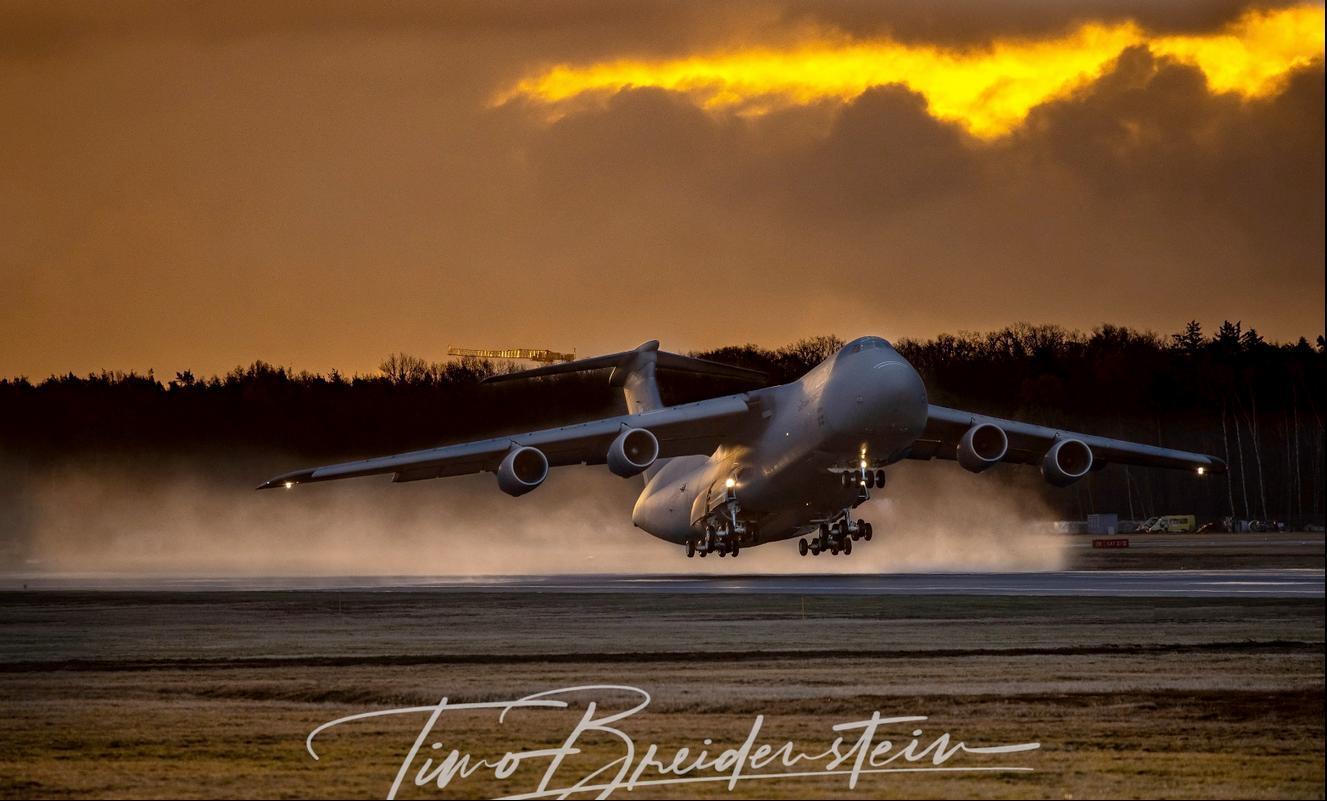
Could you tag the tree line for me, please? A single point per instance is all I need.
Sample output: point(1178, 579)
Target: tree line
point(1252, 402)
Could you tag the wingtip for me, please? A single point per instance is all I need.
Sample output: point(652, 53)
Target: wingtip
point(286, 480)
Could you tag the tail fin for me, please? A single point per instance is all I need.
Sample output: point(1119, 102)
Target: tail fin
point(633, 371)
point(635, 374)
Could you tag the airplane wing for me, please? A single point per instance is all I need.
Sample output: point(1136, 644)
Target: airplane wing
point(693, 428)
point(1029, 443)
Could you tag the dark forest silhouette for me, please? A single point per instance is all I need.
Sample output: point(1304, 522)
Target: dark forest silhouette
point(1254, 403)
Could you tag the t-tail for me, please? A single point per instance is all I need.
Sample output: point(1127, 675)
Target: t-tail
point(635, 372)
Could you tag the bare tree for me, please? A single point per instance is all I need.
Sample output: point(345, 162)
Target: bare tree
point(1252, 418)
point(1230, 477)
point(1243, 476)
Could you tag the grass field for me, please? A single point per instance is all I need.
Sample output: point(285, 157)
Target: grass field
point(211, 694)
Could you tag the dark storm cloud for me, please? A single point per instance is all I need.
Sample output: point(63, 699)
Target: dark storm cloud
point(1150, 131)
point(202, 185)
point(963, 23)
point(640, 140)
point(1127, 199)
point(883, 152)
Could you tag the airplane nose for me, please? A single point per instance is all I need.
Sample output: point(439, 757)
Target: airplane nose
point(900, 402)
point(881, 400)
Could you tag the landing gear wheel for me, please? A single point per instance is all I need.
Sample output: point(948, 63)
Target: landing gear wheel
point(736, 551)
point(834, 550)
point(867, 531)
point(815, 549)
point(691, 548)
point(847, 548)
point(880, 478)
point(869, 480)
point(802, 547)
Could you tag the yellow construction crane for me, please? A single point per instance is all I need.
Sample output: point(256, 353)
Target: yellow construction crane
point(532, 354)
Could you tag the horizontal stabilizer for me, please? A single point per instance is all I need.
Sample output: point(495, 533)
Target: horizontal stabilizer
point(624, 362)
point(689, 364)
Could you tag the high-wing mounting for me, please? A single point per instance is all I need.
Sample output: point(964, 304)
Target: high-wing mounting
point(771, 464)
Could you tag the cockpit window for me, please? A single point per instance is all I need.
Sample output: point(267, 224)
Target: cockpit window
point(863, 343)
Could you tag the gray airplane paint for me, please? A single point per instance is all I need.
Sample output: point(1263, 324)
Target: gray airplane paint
point(866, 402)
point(766, 465)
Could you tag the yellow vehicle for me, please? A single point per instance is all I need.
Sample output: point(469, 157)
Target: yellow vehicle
point(1174, 524)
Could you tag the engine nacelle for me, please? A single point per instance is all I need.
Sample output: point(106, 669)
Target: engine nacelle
point(982, 447)
point(1067, 461)
point(634, 450)
point(522, 469)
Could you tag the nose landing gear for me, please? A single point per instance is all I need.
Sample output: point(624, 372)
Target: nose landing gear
point(863, 477)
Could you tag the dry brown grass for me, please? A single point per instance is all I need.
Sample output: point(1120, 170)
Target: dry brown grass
point(1129, 697)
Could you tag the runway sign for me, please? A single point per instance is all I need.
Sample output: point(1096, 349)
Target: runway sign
point(1118, 542)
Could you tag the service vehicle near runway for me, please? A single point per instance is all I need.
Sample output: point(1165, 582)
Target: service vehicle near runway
point(1173, 524)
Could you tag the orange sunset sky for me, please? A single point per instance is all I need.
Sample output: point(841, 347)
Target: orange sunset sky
point(198, 185)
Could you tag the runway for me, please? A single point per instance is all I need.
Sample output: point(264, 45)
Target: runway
point(1269, 583)
point(192, 668)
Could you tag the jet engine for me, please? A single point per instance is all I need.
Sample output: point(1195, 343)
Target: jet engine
point(634, 450)
point(522, 469)
point(982, 446)
point(1067, 461)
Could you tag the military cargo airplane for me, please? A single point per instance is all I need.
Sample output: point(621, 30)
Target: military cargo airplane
point(785, 462)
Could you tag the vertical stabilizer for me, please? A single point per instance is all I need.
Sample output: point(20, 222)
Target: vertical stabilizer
point(635, 374)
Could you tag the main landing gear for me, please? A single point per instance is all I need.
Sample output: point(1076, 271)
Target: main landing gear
point(726, 530)
point(723, 538)
point(836, 536)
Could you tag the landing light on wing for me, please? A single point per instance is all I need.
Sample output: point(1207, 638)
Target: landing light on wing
point(730, 483)
point(289, 484)
point(1202, 471)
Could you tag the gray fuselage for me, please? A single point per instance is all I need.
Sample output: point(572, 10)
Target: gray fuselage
point(865, 403)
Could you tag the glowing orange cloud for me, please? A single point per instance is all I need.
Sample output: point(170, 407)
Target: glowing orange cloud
point(988, 90)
